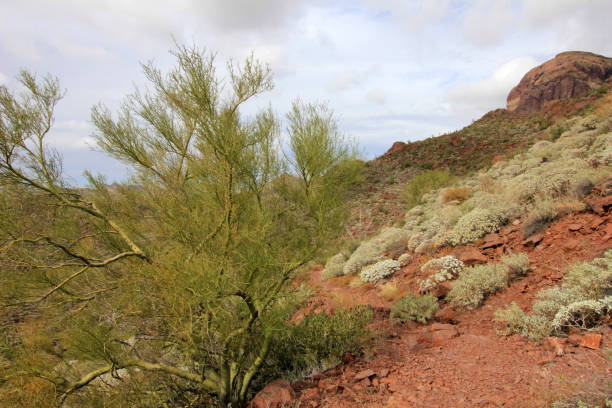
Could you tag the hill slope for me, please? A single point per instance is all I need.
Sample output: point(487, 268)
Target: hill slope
point(547, 199)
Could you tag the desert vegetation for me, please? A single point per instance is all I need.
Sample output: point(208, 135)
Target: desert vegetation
point(174, 288)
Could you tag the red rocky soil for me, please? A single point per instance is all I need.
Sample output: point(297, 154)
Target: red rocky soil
point(461, 360)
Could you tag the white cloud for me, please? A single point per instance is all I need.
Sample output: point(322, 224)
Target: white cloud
point(377, 96)
point(473, 99)
point(71, 135)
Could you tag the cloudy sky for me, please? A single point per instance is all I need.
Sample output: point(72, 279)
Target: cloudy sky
point(391, 69)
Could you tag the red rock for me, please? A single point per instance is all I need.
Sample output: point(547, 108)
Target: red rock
point(276, 394)
point(441, 326)
point(328, 385)
point(596, 223)
point(310, 393)
point(470, 256)
point(445, 315)
point(568, 75)
point(439, 334)
point(314, 404)
point(365, 382)
point(396, 147)
point(599, 205)
point(591, 340)
point(442, 289)
point(574, 227)
point(364, 374)
point(383, 373)
point(534, 240)
point(608, 231)
point(375, 382)
point(574, 339)
point(491, 241)
point(571, 244)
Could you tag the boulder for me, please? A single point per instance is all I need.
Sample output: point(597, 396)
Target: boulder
point(470, 256)
point(568, 75)
point(276, 394)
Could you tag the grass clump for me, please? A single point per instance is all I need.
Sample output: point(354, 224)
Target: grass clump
point(415, 308)
point(478, 282)
point(582, 301)
point(425, 182)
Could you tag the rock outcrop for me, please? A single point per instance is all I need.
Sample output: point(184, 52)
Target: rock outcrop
point(569, 74)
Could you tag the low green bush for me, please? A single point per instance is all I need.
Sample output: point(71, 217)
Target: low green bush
point(415, 308)
point(334, 266)
point(316, 343)
point(425, 182)
point(478, 282)
point(476, 224)
point(369, 252)
point(375, 272)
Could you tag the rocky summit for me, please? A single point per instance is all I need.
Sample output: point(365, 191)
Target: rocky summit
point(568, 75)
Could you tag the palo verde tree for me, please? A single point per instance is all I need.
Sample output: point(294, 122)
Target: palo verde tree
point(174, 288)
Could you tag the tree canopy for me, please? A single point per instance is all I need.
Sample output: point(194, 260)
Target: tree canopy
point(173, 288)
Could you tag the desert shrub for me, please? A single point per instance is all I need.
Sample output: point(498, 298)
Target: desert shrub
point(440, 270)
point(456, 194)
point(425, 182)
point(581, 301)
point(582, 187)
point(415, 308)
point(366, 254)
point(556, 131)
point(517, 264)
point(539, 218)
point(513, 317)
point(582, 314)
point(370, 251)
point(477, 223)
point(316, 343)
point(476, 283)
point(404, 259)
point(334, 266)
point(379, 270)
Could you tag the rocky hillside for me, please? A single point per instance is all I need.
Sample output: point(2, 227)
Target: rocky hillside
point(492, 289)
point(566, 86)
